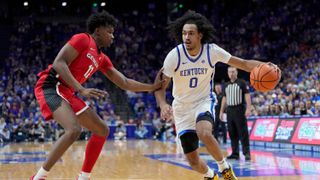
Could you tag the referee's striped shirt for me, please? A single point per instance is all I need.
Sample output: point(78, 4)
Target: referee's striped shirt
point(235, 92)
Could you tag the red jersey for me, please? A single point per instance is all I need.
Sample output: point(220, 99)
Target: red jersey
point(88, 61)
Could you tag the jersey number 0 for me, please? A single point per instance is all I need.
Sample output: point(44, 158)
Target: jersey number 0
point(193, 82)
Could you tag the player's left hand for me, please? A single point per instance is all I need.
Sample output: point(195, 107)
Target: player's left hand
point(277, 68)
point(92, 92)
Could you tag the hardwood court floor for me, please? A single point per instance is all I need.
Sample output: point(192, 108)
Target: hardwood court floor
point(148, 159)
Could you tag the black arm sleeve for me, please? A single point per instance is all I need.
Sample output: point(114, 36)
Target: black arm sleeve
point(224, 90)
point(244, 87)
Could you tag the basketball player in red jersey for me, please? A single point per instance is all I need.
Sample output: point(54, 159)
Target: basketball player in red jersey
point(55, 91)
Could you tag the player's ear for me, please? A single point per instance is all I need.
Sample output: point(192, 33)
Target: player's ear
point(97, 31)
point(201, 35)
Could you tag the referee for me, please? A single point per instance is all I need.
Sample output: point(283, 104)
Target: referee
point(237, 98)
point(219, 127)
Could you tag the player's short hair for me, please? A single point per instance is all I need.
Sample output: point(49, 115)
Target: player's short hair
point(100, 19)
point(191, 17)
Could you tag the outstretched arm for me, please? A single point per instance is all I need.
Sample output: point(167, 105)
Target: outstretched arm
point(166, 110)
point(129, 84)
point(246, 65)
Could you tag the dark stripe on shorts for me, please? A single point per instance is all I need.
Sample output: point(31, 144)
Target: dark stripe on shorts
point(51, 96)
point(51, 80)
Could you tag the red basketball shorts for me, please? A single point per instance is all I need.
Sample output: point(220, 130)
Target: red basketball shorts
point(50, 93)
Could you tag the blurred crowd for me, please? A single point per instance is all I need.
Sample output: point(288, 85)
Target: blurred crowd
point(287, 34)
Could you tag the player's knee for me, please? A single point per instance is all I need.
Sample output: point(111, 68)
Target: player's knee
point(204, 135)
point(103, 130)
point(189, 142)
point(74, 132)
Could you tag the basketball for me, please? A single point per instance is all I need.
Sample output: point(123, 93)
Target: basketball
point(264, 77)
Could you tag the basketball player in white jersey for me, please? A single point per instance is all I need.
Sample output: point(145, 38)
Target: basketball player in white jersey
point(191, 66)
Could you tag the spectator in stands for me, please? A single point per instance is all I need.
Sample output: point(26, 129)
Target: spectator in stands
point(39, 132)
point(141, 131)
point(29, 126)
point(19, 133)
point(298, 56)
point(283, 111)
point(4, 131)
point(156, 125)
point(168, 131)
point(139, 107)
point(120, 132)
point(317, 108)
point(301, 56)
point(309, 108)
point(302, 107)
point(290, 108)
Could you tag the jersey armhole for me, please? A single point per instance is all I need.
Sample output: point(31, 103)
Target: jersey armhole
point(208, 54)
point(179, 59)
point(244, 87)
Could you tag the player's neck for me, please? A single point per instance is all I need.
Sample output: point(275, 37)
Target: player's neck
point(195, 51)
point(96, 41)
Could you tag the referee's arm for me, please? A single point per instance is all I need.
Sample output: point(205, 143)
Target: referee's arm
point(223, 106)
point(248, 102)
point(247, 98)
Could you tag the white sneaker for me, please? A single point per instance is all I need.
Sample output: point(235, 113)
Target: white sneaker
point(82, 177)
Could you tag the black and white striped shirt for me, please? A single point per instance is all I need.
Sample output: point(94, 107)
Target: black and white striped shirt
point(235, 92)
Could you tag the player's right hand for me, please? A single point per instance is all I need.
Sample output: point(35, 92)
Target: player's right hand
point(92, 92)
point(158, 82)
point(166, 112)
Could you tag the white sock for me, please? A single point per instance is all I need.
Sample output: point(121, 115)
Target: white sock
point(42, 173)
point(209, 173)
point(223, 165)
point(84, 175)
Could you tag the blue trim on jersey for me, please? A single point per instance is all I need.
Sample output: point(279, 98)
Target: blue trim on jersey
point(186, 131)
point(179, 59)
point(201, 114)
point(208, 54)
point(212, 96)
point(213, 103)
point(190, 59)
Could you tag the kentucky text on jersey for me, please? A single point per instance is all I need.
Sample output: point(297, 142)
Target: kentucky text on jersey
point(193, 71)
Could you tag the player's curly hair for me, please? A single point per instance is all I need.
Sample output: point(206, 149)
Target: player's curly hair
point(100, 19)
point(203, 24)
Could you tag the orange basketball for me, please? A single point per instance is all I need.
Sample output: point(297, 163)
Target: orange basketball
point(264, 77)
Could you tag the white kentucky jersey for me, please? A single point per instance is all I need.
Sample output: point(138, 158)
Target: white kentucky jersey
point(193, 75)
